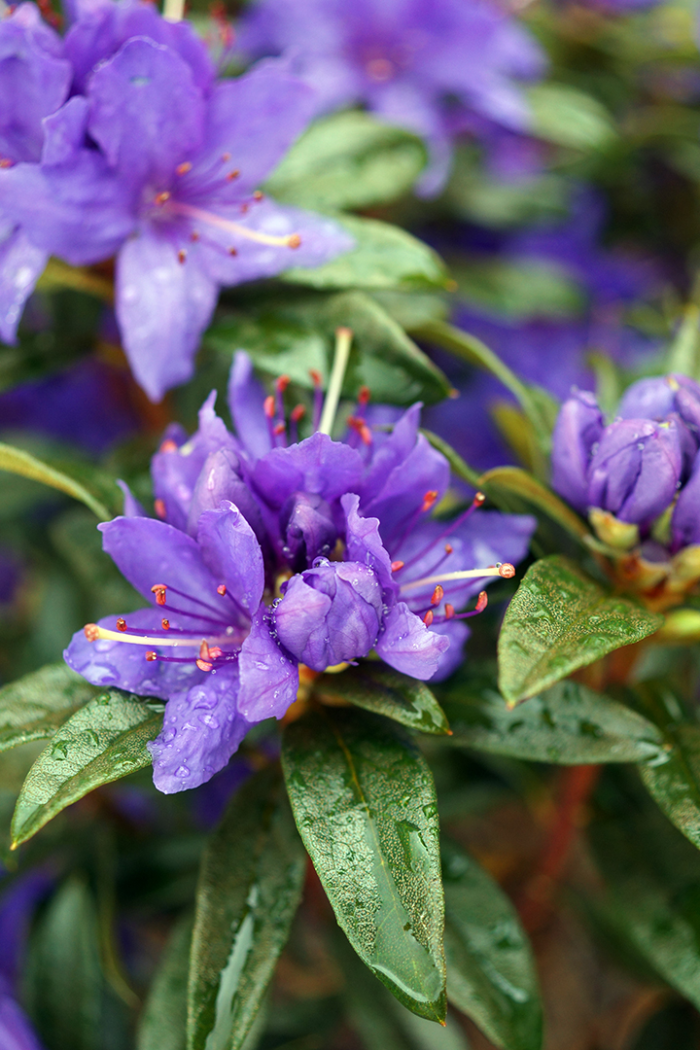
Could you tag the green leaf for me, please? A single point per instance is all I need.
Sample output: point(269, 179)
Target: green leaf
point(249, 888)
point(33, 707)
point(64, 979)
point(519, 288)
point(490, 969)
point(458, 465)
point(163, 1024)
point(364, 802)
point(673, 779)
point(291, 335)
point(378, 688)
point(569, 724)
point(569, 117)
point(348, 160)
point(560, 620)
point(684, 353)
point(520, 483)
point(384, 256)
point(104, 741)
point(539, 407)
point(17, 461)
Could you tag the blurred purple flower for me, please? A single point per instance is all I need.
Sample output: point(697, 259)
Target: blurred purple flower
point(16, 907)
point(335, 554)
point(425, 65)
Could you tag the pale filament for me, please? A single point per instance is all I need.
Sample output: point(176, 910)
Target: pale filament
point(291, 240)
point(343, 342)
point(505, 570)
point(93, 632)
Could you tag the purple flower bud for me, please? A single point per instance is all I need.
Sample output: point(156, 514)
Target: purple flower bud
point(685, 523)
point(635, 471)
point(578, 429)
point(662, 397)
point(330, 614)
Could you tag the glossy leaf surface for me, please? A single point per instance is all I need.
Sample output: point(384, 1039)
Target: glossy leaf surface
point(364, 802)
point(249, 889)
point(33, 707)
point(104, 741)
point(384, 256)
point(348, 160)
point(674, 779)
point(490, 968)
point(569, 724)
point(558, 621)
point(378, 688)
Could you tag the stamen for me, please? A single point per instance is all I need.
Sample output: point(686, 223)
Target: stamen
point(221, 589)
point(162, 198)
point(279, 429)
point(449, 549)
point(364, 395)
point(258, 195)
point(159, 508)
point(151, 656)
point(295, 416)
point(449, 610)
point(429, 500)
point(318, 396)
point(477, 502)
point(181, 255)
point(269, 406)
point(173, 10)
point(343, 342)
point(165, 624)
point(428, 618)
point(232, 174)
point(280, 386)
point(233, 252)
point(505, 570)
point(203, 665)
point(437, 595)
point(182, 169)
point(5, 162)
point(361, 428)
point(159, 590)
point(93, 632)
point(121, 624)
point(396, 565)
point(292, 240)
point(168, 446)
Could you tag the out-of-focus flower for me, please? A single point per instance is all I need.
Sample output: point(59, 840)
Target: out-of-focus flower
point(269, 553)
point(430, 66)
point(172, 186)
point(16, 907)
point(87, 405)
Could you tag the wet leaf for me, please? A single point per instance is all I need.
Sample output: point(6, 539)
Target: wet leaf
point(673, 779)
point(163, 1024)
point(560, 620)
point(104, 741)
point(378, 688)
point(291, 335)
point(249, 888)
point(348, 160)
point(63, 973)
point(33, 707)
point(77, 480)
point(490, 968)
point(568, 723)
point(384, 256)
point(364, 802)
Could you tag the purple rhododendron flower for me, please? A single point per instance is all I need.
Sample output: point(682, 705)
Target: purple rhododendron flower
point(157, 162)
point(269, 553)
point(433, 67)
point(16, 907)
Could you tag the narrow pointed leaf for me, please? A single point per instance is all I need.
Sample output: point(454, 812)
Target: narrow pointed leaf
point(33, 707)
point(163, 1024)
point(560, 620)
point(17, 461)
point(104, 741)
point(568, 723)
point(364, 802)
point(378, 688)
point(520, 483)
point(249, 889)
point(490, 968)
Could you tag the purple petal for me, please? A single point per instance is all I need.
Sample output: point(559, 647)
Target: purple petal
point(457, 632)
point(147, 113)
point(232, 553)
point(578, 429)
point(685, 523)
point(363, 544)
point(317, 465)
point(21, 265)
point(64, 132)
point(16, 1033)
point(409, 646)
point(245, 400)
point(149, 552)
point(108, 662)
point(219, 479)
point(201, 730)
point(132, 507)
point(102, 27)
point(269, 678)
point(163, 307)
point(635, 470)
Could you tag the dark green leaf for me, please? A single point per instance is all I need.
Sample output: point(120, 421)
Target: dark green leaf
point(348, 160)
point(292, 335)
point(569, 117)
point(163, 1024)
point(104, 741)
point(560, 620)
point(490, 969)
point(64, 979)
point(378, 688)
point(33, 707)
point(77, 480)
point(674, 779)
point(249, 889)
point(569, 724)
point(518, 288)
point(520, 483)
point(384, 256)
point(364, 802)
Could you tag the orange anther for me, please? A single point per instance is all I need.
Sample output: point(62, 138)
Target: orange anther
point(161, 198)
point(279, 429)
point(294, 241)
point(182, 169)
point(233, 175)
point(258, 195)
point(159, 589)
point(428, 618)
point(506, 570)
point(479, 498)
point(203, 665)
point(194, 236)
point(215, 652)
point(449, 611)
point(233, 252)
point(297, 413)
point(282, 383)
point(159, 508)
point(269, 407)
point(168, 446)
point(437, 595)
point(165, 624)
point(396, 565)
point(225, 157)
point(364, 395)
point(315, 377)
point(482, 601)
point(181, 255)
point(429, 500)
point(221, 589)
point(151, 655)
point(91, 632)
point(448, 548)
point(121, 624)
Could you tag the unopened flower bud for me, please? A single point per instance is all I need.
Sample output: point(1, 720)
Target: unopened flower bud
point(578, 429)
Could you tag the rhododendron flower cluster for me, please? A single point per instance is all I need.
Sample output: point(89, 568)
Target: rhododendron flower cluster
point(268, 554)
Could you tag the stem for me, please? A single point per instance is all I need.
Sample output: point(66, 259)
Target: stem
point(173, 10)
point(343, 342)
